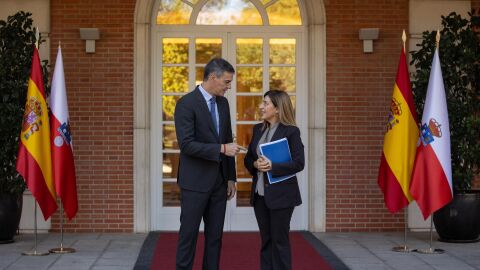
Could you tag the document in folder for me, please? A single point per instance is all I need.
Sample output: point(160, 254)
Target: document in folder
point(277, 151)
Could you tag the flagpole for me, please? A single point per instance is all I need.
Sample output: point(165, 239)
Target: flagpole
point(404, 248)
point(34, 252)
point(61, 249)
point(432, 250)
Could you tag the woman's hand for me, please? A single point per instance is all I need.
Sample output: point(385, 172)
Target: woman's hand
point(263, 164)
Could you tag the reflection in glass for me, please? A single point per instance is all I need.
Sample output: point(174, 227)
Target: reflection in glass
point(199, 75)
point(170, 165)
point(175, 50)
point(229, 12)
point(244, 134)
point(249, 50)
point(175, 79)
point(282, 51)
point(247, 108)
point(282, 78)
point(168, 106)
point(206, 49)
point(243, 193)
point(242, 172)
point(284, 12)
point(169, 137)
point(173, 12)
point(171, 194)
point(249, 79)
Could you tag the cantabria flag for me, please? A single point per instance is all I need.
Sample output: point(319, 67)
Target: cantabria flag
point(432, 174)
point(62, 149)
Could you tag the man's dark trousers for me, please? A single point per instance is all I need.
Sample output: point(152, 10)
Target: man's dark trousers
point(211, 206)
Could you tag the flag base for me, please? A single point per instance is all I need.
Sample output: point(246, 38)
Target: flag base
point(34, 253)
point(62, 250)
point(403, 248)
point(431, 251)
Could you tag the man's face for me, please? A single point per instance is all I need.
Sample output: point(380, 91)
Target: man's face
point(221, 84)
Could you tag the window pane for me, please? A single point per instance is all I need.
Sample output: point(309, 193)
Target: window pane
point(247, 108)
point(229, 12)
point(173, 12)
point(282, 51)
point(175, 50)
point(175, 79)
point(199, 75)
point(284, 12)
point(249, 50)
point(169, 137)
point(168, 106)
point(294, 103)
point(170, 165)
point(243, 193)
point(282, 78)
point(206, 49)
point(171, 194)
point(249, 79)
point(244, 134)
point(242, 172)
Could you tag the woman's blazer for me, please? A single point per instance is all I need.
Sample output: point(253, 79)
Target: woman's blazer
point(286, 193)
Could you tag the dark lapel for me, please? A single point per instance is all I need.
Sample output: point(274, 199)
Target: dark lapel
point(256, 137)
point(205, 111)
point(279, 132)
point(222, 117)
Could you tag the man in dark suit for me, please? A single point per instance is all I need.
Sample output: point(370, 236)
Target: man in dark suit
point(206, 173)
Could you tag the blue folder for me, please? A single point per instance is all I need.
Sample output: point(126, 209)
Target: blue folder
point(277, 151)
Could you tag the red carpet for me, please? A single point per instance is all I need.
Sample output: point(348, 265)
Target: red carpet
point(240, 251)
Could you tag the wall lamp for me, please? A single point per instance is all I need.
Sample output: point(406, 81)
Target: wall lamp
point(368, 35)
point(89, 35)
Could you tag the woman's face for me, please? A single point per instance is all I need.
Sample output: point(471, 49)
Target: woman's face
point(268, 111)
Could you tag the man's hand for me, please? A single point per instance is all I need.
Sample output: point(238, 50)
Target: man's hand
point(231, 190)
point(231, 149)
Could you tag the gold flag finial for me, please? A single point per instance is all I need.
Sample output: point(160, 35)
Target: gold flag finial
point(404, 38)
point(37, 37)
point(438, 38)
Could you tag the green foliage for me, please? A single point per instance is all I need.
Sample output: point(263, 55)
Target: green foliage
point(16, 49)
point(459, 52)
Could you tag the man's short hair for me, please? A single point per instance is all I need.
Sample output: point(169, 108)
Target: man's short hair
point(218, 66)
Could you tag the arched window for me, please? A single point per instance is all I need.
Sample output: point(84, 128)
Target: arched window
point(229, 12)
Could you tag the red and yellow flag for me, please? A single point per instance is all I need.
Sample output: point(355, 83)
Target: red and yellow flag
point(400, 143)
point(34, 161)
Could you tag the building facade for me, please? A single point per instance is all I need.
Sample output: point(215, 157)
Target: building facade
point(150, 52)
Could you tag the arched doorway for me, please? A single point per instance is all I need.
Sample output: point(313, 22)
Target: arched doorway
point(267, 52)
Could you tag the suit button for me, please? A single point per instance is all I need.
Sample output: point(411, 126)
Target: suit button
point(266, 185)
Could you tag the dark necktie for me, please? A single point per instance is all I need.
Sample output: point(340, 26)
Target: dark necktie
point(213, 114)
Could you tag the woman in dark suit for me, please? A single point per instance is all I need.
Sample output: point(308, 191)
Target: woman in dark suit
point(274, 203)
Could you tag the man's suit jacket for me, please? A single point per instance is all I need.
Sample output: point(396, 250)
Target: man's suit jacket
point(286, 193)
point(199, 143)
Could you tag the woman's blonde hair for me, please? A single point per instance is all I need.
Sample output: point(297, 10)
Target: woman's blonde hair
point(281, 101)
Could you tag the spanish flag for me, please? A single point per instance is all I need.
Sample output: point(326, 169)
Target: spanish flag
point(400, 143)
point(34, 160)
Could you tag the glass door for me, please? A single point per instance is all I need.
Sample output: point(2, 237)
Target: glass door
point(262, 62)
